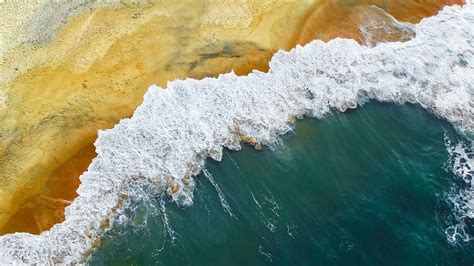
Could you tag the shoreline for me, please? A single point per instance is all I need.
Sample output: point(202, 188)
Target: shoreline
point(71, 113)
point(124, 152)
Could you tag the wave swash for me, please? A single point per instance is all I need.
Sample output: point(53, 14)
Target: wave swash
point(171, 134)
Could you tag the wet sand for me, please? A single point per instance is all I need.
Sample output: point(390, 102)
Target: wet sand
point(60, 88)
point(342, 18)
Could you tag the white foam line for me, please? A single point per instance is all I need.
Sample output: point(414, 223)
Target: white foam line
point(224, 202)
point(174, 130)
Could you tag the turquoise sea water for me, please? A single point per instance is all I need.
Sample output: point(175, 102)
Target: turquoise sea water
point(369, 186)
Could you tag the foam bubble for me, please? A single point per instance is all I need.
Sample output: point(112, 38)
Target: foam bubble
point(461, 163)
point(171, 134)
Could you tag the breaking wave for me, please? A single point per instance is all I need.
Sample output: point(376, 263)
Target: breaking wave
point(165, 144)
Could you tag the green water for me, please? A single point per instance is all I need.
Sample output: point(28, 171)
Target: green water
point(364, 187)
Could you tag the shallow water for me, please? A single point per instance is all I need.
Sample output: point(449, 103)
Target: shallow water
point(369, 186)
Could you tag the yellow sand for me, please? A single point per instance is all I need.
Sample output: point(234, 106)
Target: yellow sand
point(97, 68)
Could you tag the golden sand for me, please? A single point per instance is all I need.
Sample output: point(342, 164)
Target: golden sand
point(61, 86)
point(95, 72)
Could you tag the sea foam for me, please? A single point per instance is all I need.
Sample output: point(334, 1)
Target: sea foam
point(461, 164)
point(171, 134)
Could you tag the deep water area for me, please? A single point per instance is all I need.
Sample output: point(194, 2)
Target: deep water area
point(371, 186)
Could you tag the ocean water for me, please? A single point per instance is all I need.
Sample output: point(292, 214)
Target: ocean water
point(370, 186)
